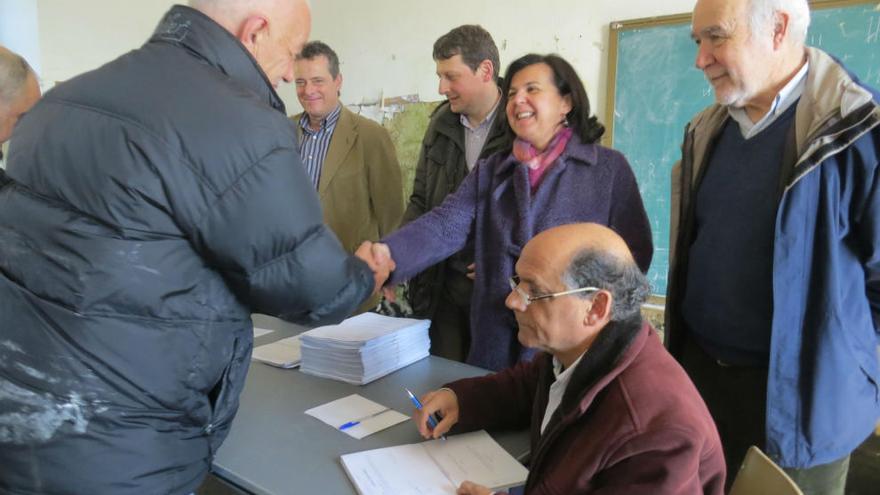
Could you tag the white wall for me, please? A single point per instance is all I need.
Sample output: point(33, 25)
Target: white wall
point(76, 36)
point(385, 45)
point(18, 30)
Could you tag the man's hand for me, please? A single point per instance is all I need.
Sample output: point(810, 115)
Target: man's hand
point(378, 257)
point(472, 271)
point(471, 488)
point(441, 401)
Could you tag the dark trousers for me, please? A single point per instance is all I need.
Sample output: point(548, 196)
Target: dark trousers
point(450, 330)
point(737, 399)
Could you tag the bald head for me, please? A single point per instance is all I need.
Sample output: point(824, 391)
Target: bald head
point(19, 90)
point(273, 31)
point(561, 243)
point(592, 255)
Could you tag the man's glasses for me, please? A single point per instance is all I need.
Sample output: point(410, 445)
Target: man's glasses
point(528, 298)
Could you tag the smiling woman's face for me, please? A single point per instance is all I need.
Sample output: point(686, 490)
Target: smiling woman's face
point(535, 109)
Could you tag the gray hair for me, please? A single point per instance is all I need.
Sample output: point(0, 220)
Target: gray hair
point(473, 43)
point(14, 72)
point(628, 285)
point(314, 49)
point(761, 13)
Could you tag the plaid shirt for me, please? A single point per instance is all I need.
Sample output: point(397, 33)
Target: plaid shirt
point(314, 145)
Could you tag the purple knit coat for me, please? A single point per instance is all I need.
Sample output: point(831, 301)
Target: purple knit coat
point(494, 204)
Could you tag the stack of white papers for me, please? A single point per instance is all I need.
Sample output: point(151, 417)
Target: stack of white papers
point(364, 347)
point(284, 353)
point(434, 467)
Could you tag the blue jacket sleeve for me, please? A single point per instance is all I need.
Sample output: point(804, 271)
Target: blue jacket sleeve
point(867, 217)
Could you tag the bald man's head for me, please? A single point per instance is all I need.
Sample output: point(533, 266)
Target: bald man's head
point(592, 255)
point(19, 90)
point(560, 243)
point(273, 31)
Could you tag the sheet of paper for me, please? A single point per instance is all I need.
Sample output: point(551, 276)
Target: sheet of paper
point(370, 416)
point(402, 470)
point(284, 353)
point(364, 327)
point(259, 332)
point(434, 467)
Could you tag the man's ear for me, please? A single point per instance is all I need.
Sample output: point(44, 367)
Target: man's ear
point(338, 81)
point(487, 70)
point(252, 31)
point(780, 28)
point(600, 310)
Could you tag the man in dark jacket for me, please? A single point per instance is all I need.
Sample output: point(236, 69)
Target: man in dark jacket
point(465, 128)
point(610, 410)
point(150, 207)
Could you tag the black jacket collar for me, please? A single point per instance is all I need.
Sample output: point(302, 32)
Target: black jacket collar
point(206, 39)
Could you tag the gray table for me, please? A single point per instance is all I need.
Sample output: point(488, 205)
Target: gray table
point(273, 448)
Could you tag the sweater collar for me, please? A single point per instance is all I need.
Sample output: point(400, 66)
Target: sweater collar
point(217, 47)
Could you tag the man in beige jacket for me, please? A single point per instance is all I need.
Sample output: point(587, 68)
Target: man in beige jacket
point(350, 159)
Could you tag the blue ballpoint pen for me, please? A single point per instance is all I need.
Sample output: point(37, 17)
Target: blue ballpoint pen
point(415, 400)
point(356, 422)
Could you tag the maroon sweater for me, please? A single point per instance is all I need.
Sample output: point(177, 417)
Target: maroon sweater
point(631, 422)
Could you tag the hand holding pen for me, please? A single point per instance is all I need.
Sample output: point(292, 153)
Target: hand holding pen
point(442, 402)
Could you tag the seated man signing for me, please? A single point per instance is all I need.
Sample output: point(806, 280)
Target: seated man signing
point(610, 410)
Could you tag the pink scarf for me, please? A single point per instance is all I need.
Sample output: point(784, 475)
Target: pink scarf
point(540, 161)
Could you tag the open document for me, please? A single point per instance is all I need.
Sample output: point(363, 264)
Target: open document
point(434, 467)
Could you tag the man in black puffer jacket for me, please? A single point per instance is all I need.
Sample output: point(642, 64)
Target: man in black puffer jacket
point(150, 207)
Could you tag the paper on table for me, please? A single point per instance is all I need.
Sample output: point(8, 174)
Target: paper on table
point(364, 347)
point(434, 467)
point(372, 416)
point(259, 332)
point(284, 353)
point(363, 327)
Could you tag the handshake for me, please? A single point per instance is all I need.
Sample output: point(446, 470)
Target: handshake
point(378, 257)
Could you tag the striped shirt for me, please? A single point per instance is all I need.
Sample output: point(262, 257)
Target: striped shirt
point(314, 144)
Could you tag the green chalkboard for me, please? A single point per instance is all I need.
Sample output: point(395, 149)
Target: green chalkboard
point(654, 90)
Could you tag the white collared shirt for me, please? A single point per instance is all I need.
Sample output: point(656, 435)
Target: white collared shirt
point(557, 389)
point(475, 136)
point(786, 97)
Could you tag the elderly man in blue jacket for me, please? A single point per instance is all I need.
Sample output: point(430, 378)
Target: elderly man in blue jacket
point(775, 265)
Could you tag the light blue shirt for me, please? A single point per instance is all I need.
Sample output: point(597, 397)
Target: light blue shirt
point(786, 97)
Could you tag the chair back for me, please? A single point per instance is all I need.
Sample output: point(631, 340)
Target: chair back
point(759, 475)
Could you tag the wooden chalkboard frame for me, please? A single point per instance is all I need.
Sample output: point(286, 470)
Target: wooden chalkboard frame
point(616, 27)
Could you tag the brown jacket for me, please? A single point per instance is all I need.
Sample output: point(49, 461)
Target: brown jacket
point(360, 188)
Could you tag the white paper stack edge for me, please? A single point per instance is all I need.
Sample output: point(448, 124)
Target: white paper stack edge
point(364, 347)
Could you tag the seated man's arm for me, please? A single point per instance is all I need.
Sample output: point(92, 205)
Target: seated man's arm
point(500, 401)
point(668, 460)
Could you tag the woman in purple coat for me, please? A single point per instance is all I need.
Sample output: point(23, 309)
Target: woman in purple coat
point(555, 174)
